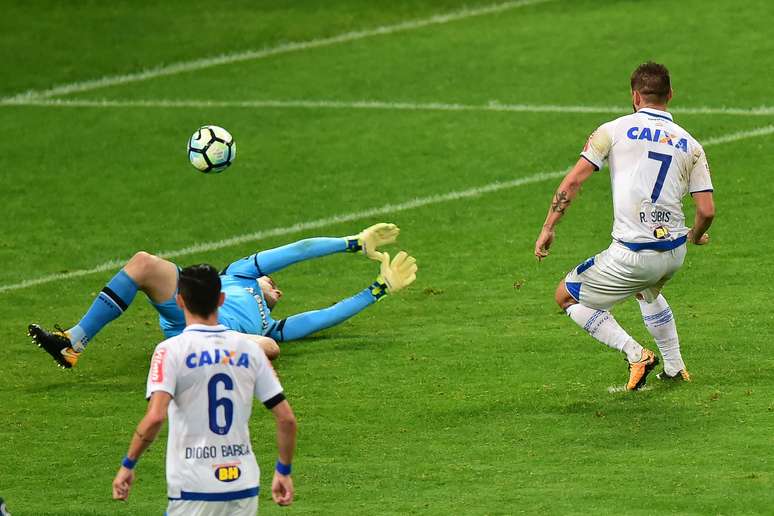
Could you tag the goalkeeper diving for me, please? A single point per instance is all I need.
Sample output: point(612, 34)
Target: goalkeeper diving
point(251, 294)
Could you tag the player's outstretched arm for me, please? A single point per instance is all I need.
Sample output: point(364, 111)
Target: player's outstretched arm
point(282, 484)
point(393, 276)
point(144, 435)
point(567, 191)
point(273, 260)
point(705, 214)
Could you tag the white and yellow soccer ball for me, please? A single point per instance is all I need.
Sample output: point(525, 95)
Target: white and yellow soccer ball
point(211, 149)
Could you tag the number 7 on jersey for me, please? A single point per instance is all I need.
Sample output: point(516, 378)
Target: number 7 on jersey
point(665, 160)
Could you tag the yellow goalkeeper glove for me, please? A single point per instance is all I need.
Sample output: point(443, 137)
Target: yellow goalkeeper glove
point(395, 275)
point(371, 238)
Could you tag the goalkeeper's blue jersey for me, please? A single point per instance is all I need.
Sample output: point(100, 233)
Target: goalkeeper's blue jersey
point(245, 308)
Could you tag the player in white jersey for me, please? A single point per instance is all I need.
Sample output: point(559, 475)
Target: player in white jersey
point(205, 380)
point(653, 164)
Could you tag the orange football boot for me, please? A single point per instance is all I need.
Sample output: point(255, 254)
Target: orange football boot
point(639, 371)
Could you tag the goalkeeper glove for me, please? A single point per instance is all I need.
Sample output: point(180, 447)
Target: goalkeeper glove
point(395, 275)
point(370, 238)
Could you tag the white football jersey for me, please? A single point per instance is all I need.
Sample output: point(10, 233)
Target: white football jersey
point(654, 163)
point(213, 374)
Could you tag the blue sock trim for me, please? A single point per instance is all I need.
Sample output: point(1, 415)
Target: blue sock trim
point(659, 319)
point(111, 302)
point(124, 287)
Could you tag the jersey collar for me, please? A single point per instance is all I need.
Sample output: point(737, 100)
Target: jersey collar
point(657, 113)
point(205, 328)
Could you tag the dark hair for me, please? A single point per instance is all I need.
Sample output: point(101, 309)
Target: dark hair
point(651, 80)
point(200, 287)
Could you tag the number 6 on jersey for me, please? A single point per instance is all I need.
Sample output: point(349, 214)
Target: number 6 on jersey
point(213, 402)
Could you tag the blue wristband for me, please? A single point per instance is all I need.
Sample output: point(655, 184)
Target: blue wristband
point(128, 463)
point(282, 469)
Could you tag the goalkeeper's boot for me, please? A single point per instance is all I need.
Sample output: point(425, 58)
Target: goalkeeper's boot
point(639, 371)
point(680, 376)
point(57, 344)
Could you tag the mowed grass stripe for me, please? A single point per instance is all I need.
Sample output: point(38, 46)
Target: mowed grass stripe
point(386, 209)
point(299, 227)
point(295, 46)
point(374, 104)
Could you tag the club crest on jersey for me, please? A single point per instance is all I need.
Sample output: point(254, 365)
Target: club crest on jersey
point(216, 356)
point(227, 473)
point(661, 232)
point(657, 136)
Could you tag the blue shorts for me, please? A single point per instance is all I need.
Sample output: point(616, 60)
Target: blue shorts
point(171, 317)
point(241, 312)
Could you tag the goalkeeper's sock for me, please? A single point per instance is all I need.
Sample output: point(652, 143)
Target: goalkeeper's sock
point(111, 302)
point(660, 322)
point(601, 325)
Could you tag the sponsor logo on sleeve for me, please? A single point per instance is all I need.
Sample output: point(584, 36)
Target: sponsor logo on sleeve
point(588, 141)
point(157, 366)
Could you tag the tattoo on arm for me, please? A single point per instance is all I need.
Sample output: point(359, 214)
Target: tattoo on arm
point(560, 203)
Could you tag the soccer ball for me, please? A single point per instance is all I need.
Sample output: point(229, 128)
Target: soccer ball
point(211, 149)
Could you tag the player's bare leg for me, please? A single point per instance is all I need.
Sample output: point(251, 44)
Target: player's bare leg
point(153, 275)
point(601, 325)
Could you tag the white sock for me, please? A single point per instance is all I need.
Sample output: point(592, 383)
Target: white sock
point(660, 323)
point(601, 325)
point(77, 338)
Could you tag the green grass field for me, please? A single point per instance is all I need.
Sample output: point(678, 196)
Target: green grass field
point(463, 395)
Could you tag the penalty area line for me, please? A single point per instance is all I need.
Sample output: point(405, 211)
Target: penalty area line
point(387, 209)
point(283, 48)
point(369, 105)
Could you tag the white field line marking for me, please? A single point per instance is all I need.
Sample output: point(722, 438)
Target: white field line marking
point(371, 104)
point(301, 226)
point(613, 389)
point(284, 48)
point(740, 135)
point(387, 209)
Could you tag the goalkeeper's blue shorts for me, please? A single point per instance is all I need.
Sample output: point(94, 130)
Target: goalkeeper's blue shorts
point(244, 309)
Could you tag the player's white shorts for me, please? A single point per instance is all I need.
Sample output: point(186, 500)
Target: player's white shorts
point(241, 507)
point(618, 273)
